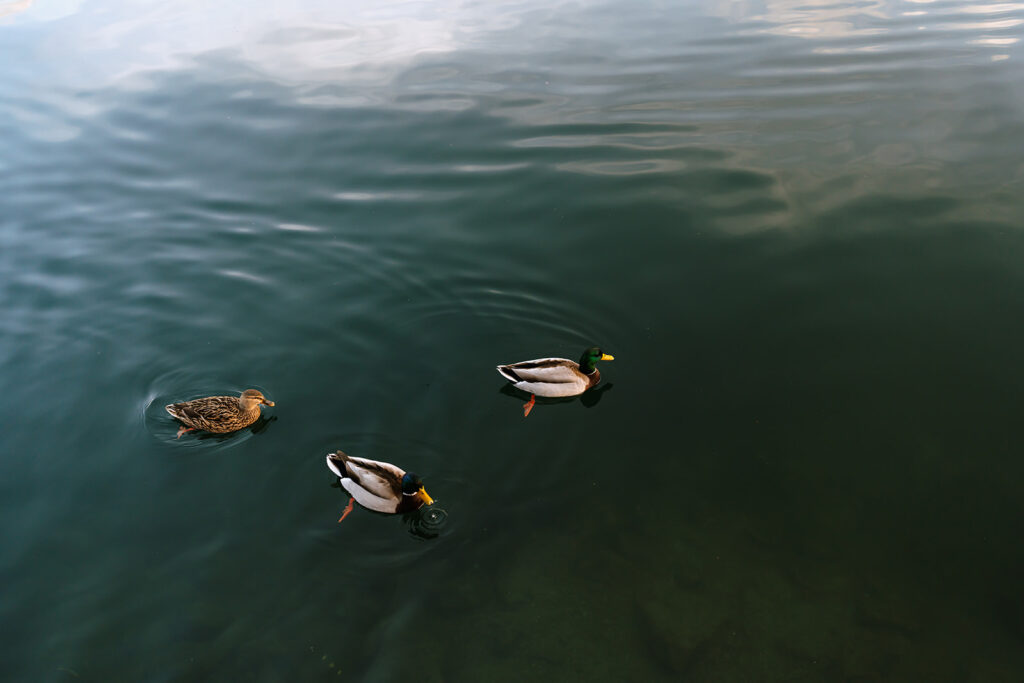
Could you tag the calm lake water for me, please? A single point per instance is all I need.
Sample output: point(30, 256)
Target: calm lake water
point(796, 225)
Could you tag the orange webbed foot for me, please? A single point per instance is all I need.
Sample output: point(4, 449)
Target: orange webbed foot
point(182, 430)
point(529, 405)
point(348, 509)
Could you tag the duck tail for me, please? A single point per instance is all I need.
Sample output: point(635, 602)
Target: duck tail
point(336, 463)
point(508, 373)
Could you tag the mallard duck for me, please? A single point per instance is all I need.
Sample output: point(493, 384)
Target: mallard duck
point(555, 377)
point(379, 486)
point(219, 414)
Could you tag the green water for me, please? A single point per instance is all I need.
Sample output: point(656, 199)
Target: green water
point(796, 225)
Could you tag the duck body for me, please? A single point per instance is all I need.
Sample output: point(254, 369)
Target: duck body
point(556, 377)
point(219, 414)
point(378, 486)
point(550, 377)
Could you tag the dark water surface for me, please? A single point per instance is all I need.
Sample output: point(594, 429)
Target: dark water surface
point(796, 225)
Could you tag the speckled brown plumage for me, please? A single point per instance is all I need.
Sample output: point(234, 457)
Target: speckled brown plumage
point(220, 414)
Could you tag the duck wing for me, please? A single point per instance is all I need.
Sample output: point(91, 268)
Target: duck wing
point(204, 412)
point(553, 377)
point(554, 370)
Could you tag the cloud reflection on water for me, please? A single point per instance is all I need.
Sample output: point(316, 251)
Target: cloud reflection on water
point(96, 43)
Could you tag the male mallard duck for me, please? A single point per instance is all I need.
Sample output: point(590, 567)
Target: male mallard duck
point(378, 485)
point(555, 377)
point(219, 414)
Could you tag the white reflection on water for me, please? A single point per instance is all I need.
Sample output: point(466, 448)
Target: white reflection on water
point(997, 8)
point(316, 40)
point(243, 275)
point(811, 18)
point(58, 58)
point(836, 19)
point(10, 8)
point(92, 43)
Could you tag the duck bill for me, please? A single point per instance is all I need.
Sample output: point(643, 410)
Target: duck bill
point(607, 356)
point(425, 497)
point(268, 403)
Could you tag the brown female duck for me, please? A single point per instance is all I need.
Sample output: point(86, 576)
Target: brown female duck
point(219, 414)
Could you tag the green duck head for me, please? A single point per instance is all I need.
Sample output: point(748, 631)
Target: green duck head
point(412, 485)
point(591, 356)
